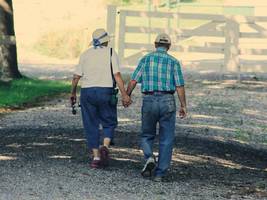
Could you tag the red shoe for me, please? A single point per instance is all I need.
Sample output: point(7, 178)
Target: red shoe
point(95, 164)
point(104, 156)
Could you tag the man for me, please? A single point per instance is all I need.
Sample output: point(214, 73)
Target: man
point(160, 76)
point(95, 68)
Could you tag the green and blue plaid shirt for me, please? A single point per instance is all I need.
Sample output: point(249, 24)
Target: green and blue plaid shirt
point(158, 71)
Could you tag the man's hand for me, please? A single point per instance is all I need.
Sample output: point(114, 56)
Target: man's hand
point(181, 95)
point(182, 112)
point(126, 101)
point(131, 86)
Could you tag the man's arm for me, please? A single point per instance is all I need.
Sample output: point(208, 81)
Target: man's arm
point(136, 76)
point(181, 95)
point(126, 100)
point(131, 86)
point(75, 81)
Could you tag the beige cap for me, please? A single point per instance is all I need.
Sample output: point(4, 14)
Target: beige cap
point(100, 36)
point(163, 38)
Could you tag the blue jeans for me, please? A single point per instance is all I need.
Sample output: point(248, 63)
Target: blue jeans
point(96, 109)
point(159, 108)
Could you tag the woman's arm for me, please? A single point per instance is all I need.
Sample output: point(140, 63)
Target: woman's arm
point(126, 100)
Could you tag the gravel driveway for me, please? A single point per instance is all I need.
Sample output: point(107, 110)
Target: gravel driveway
point(43, 152)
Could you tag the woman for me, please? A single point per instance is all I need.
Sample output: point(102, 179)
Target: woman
point(98, 70)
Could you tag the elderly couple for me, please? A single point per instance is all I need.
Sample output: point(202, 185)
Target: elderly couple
point(160, 76)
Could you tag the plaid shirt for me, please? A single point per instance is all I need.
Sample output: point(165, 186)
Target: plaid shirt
point(158, 71)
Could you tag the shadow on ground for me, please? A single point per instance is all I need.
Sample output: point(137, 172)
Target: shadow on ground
point(201, 159)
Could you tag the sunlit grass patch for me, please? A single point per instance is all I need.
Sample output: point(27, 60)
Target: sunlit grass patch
point(21, 91)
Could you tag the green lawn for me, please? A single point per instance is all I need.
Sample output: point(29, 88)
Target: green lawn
point(19, 92)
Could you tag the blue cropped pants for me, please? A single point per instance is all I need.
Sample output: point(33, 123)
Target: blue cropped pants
point(96, 109)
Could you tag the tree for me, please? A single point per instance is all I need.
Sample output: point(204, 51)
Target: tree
point(8, 49)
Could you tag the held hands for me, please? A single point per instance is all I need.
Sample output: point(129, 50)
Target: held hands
point(126, 100)
point(182, 112)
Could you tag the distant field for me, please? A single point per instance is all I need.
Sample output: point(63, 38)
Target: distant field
point(64, 33)
point(37, 20)
point(69, 42)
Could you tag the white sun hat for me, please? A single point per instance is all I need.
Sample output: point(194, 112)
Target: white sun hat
point(100, 36)
point(163, 38)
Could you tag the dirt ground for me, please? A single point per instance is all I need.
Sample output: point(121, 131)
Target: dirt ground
point(220, 150)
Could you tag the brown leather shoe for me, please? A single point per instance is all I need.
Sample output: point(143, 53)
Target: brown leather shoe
point(104, 156)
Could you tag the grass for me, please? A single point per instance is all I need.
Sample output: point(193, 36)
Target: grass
point(19, 92)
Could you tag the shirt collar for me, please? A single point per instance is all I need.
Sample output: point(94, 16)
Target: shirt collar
point(161, 49)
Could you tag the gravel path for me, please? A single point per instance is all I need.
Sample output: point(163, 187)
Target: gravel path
point(43, 157)
point(43, 152)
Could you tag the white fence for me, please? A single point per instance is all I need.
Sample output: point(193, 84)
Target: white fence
point(224, 42)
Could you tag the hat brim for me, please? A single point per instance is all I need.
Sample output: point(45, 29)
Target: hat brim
point(163, 41)
point(102, 40)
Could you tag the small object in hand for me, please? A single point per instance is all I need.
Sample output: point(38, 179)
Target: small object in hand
point(73, 102)
point(74, 112)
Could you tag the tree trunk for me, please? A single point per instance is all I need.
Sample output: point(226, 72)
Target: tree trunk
point(8, 50)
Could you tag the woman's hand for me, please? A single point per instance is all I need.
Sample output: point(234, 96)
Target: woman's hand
point(73, 98)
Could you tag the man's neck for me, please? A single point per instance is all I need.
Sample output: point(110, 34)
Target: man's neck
point(162, 49)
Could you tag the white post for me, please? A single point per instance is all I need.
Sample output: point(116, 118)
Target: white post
point(231, 49)
point(178, 11)
point(111, 23)
point(177, 20)
point(169, 19)
point(121, 38)
point(149, 22)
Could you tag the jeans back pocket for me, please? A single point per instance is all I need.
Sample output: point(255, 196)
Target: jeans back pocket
point(168, 105)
